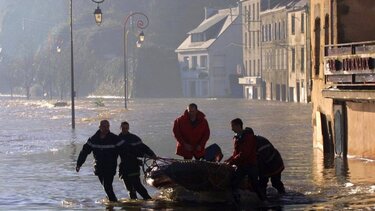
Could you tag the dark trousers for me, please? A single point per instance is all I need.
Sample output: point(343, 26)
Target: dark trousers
point(133, 185)
point(251, 171)
point(106, 181)
point(275, 181)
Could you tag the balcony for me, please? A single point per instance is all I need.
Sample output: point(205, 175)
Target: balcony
point(351, 64)
point(349, 71)
point(194, 73)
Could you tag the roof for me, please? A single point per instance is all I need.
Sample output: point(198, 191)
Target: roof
point(273, 4)
point(206, 24)
point(226, 15)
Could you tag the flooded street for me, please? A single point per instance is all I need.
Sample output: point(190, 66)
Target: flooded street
point(39, 150)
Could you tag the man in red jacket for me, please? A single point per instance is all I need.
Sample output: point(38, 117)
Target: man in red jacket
point(244, 158)
point(192, 132)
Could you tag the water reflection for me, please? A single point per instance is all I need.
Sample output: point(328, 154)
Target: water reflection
point(342, 170)
point(342, 183)
point(39, 152)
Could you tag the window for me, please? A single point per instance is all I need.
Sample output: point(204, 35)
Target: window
point(258, 72)
point(203, 61)
point(248, 19)
point(293, 24)
point(262, 33)
point(302, 23)
point(317, 46)
point(249, 40)
point(245, 9)
point(198, 37)
point(253, 11)
point(186, 63)
point(277, 57)
point(269, 32)
point(246, 68)
point(250, 72)
point(254, 67)
point(194, 62)
point(245, 40)
point(248, 14)
point(302, 60)
point(275, 31)
point(293, 59)
point(253, 39)
point(282, 59)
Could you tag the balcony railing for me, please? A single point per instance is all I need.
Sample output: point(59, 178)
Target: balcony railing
point(194, 73)
point(350, 63)
point(350, 48)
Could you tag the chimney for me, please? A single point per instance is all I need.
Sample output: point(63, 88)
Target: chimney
point(208, 12)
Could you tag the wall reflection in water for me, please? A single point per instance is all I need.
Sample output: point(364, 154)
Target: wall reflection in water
point(327, 167)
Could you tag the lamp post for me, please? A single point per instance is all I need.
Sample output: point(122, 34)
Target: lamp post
point(141, 37)
point(98, 20)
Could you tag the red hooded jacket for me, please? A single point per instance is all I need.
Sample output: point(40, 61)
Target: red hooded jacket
point(194, 134)
point(244, 150)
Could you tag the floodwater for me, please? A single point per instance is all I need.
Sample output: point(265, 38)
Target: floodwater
point(39, 150)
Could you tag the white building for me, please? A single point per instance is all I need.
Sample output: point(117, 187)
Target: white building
point(210, 57)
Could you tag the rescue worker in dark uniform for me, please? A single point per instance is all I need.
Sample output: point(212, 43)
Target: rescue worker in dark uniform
point(270, 164)
point(244, 158)
point(103, 146)
point(131, 148)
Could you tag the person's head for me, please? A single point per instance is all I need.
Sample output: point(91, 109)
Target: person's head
point(237, 125)
point(124, 127)
point(192, 110)
point(104, 126)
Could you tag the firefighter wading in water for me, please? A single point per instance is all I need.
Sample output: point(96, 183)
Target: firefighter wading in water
point(103, 145)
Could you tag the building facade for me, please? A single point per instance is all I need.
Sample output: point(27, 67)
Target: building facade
point(343, 76)
point(209, 58)
point(275, 53)
point(276, 50)
point(298, 48)
point(251, 79)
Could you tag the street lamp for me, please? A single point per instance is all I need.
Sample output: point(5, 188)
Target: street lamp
point(98, 12)
point(98, 20)
point(141, 37)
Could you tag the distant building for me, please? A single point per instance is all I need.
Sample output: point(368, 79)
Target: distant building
point(210, 57)
point(275, 53)
point(343, 76)
point(251, 79)
point(276, 50)
point(298, 48)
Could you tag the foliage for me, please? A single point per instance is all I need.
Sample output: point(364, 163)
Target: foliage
point(31, 32)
